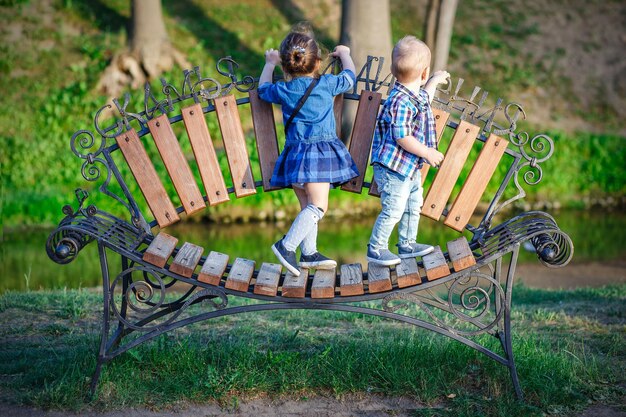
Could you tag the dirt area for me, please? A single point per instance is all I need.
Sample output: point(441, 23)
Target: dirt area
point(317, 407)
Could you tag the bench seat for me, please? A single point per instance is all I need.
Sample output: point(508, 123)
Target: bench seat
point(145, 160)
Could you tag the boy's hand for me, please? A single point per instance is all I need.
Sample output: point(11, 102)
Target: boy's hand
point(439, 77)
point(340, 50)
point(434, 157)
point(272, 57)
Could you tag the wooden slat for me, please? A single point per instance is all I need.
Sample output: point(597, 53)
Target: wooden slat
point(160, 249)
point(186, 259)
point(267, 279)
point(213, 268)
point(362, 136)
point(295, 286)
point(240, 275)
point(351, 280)
point(374, 189)
point(146, 176)
point(176, 164)
point(408, 273)
point(338, 112)
point(479, 176)
point(460, 254)
point(235, 145)
point(441, 118)
point(266, 140)
point(206, 158)
point(450, 169)
point(378, 278)
point(324, 283)
point(435, 264)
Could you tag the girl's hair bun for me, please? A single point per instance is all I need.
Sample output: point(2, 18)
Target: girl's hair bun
point(299, 53)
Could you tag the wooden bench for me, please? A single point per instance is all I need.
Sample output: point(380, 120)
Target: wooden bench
point(460, 291)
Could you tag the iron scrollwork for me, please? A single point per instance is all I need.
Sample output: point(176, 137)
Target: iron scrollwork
point(147, 298)
point(474, 300)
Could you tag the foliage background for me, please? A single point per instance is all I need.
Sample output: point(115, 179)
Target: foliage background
point(53, 51)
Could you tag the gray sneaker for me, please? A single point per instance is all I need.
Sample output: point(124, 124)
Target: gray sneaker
point(413, 250)
point(317, 261)
point(382, 256)
point(287, 258)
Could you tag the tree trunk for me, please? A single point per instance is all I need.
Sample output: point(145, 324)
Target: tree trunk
point(149, 52)
point(438, 30)
point(444, 33)
point(430, 23)
point(366, 29)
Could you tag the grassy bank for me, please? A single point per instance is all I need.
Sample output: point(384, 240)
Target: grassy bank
point(569, 345)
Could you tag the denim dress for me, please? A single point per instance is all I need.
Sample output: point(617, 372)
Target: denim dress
point(312, 152)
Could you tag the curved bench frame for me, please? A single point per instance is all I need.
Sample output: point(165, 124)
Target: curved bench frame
point(139, 306)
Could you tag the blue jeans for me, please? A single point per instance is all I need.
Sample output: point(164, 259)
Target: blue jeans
point(401, 199)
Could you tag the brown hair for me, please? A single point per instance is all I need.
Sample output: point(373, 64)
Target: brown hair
point(409, 59)
point(299, 54)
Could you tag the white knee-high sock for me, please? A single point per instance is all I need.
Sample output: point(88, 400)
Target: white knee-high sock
point(308, 246)
point(304, 223)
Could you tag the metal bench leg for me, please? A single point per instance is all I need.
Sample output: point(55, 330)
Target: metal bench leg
point(506, 339)
point(106, 296)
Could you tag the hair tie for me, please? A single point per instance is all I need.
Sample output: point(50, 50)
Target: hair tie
point(298, 49)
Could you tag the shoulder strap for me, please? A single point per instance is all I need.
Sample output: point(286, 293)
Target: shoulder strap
point(301, 102)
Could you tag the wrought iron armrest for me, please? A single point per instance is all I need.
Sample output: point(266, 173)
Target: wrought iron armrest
point(81, 226)
point(554, 247)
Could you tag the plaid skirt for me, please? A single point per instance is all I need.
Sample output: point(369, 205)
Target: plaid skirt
point(315, 161)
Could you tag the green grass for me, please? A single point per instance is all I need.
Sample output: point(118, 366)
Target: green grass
point(568, 345)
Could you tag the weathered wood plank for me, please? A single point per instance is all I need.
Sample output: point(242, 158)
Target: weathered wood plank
point(338, 112)
point(378, 278)
point(266, 140)
point(206, 158)
point(351, 280)
point(476, 182)
point(441, 118)
point(160, 249)
point(362, 136)
point(450, 169)
point(186, 259)
point(213, 268)
point(408, 273)
point(374, 191)
point(146, 176)
point(176, 164)
point(435, 264)
point(324, 283)
point(295, 286)
point(267, 279)
point(235, 145)
point(460, 254)
point(240, 275)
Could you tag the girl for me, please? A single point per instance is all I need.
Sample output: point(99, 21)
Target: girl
point(313, 157)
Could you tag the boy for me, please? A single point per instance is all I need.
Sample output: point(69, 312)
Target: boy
point(404, 139)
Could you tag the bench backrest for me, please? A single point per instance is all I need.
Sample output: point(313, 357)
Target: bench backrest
point(461, 125)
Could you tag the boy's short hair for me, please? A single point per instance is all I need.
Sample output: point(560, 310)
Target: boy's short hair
point(410, 57)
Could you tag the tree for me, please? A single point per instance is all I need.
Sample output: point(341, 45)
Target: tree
point(149, 51)
point(366, 29)
point(438, 30)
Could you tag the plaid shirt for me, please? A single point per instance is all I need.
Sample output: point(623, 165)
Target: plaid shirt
point(403, 114)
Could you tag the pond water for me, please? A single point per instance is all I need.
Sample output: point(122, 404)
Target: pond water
point(598, 238)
